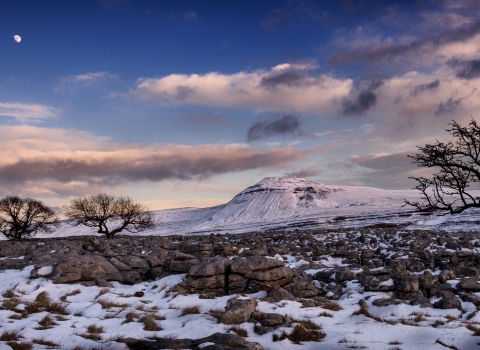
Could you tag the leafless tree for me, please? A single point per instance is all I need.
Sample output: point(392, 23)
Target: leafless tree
point(110, 214)
point(458, 164)
point(24, 217)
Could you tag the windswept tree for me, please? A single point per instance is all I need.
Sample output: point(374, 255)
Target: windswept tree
point(24, 217)
point(458, 165)
point(109, 214)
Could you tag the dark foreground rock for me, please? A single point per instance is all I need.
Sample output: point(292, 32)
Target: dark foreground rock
point(216, 341)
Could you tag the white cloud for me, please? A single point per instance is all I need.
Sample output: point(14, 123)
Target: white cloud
point(72, 82)
point(27, 112)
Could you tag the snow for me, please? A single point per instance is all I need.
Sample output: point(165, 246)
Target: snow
point(289, 203)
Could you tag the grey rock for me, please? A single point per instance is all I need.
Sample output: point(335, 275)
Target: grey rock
point(302, 289)
point(134, 262)
point(213, 267)
point(238, 311)
point(448, 304)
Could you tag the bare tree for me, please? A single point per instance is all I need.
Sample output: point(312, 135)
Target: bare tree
point(458, 162)
point(110, 214)
point(24, 217)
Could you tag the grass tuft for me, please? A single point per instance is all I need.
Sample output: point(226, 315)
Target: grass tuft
point(10, 335)
point(130, 317)
point(94, 329)
point(45, 342)
point(190, 310)
point(332, 306)
point(301, 334)
point(47, 322)
point(150, 324)
point(20, 346)
point(239, 331)
point(107, 304)
point(474, 329)
point(453, 347)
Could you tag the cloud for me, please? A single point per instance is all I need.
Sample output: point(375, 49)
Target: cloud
point(284, 87)
point(72, 82)
point(27, 112)
point(190, 15)
point(449, 106)
point(289, 75)
point(287, 124)
point(388, 51)
point(56, 158)
point(466, 69)
point(365, 99)
point(306, 172)
point(203, 120)
point(425, 87)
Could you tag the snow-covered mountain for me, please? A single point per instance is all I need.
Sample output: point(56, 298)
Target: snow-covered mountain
point(284, 202)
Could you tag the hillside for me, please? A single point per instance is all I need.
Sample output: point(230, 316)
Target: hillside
point(284, 202)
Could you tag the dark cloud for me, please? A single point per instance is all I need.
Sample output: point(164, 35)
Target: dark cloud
point(386, 51)
point(290, 77)
point(466, 69)
point(185, 163)
point(307, 172)
point(425, 87)
point(184, 92)
point(276, 18)
point(365, 99)
point(287, 124)
point(448, 106)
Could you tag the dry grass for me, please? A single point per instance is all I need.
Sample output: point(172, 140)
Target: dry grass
point(437, 323)
point(10, 335)
point(438, 341)
point(107, 304)
point(190, 310)
point(239, 331)
point(44, 303)
point(309, 324)
point(9, 294)
point(91, 336)
point(11, 304)
point(395, 342)
point(149, 323)
point(73, 292)
point(324, 314)
point(103, 291)
point(474, 329)
point(130, 317)
point(78, 313)
point(301, 334)
point(451, 318)
point(47, 322)
point(20, 346)
point(45, 342)
point(94, 329)
point(332, 306)
point(216, 313)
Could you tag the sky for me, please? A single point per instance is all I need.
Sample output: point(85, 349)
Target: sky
point(186, 103)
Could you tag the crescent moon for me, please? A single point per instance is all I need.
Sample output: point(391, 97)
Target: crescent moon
point(17, 38)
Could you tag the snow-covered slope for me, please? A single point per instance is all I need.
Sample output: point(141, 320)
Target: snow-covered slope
point(286, 202)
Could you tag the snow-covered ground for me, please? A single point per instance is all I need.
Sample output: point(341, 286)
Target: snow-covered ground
point(403, 326)
point(285, 202)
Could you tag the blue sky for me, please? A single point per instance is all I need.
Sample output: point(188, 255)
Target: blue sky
point(184, 103)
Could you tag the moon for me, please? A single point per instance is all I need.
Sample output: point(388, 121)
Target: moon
point(17, 38)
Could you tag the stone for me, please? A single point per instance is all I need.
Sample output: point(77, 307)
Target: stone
point(179, 266)
point(85, 267)
point(445, 275)
point(134, 262)
point(470, 297)
point(212, 267)
point(119, 265)
point(278, 293)
point(422, 301)
point(130, 277)
point(448, 304)
point(405, 281)
point(238, 311)
point(384, 302)
point(302, 289)
point(345, 275)
point(221, 341)
point(268, 319)
point(469, 285)
point(196, 249)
